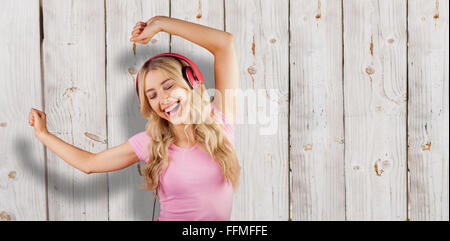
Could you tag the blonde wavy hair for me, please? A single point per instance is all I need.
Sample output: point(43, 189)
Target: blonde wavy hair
point(208, 129)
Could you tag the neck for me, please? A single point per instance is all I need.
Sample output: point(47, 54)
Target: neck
point(181, 137)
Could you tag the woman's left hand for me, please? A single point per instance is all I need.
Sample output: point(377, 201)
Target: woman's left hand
point(144, 32)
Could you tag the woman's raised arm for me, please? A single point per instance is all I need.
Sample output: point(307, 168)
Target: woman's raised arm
point(219, 43)
point(209, 38)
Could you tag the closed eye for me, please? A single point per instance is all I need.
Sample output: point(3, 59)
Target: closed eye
point(153, 96)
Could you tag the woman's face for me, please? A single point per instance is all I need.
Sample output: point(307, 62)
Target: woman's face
point(166, 97)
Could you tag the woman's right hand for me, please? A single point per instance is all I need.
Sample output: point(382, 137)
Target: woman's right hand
point(38, 120)
point(144, 32)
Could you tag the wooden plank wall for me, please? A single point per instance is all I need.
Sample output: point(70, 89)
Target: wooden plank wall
point(316, 110)
point(375, 109)
point(73, 58)
point(22, 164)
point(126, 200)
point(428, 109)
point(261, 36)
point(358, 91)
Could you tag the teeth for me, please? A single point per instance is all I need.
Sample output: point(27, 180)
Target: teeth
point(171, 108)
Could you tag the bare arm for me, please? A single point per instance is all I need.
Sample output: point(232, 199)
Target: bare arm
point(112, 159)
point(226, 77)
point(209, 38)
point(219, 43)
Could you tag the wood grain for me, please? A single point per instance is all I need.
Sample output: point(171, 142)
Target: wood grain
point(316, 111)
point(126, 200)
point(375, 109)
point(22, 164)
point(428, 122)
point(260, 30)
point(343, 111)
point(75, 103)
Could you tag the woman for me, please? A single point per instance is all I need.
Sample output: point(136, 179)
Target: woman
point(188, 143)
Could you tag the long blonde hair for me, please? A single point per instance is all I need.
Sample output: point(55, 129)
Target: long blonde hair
point(207, 128)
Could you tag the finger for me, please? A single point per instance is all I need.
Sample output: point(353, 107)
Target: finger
point(140, 25)
point(36, 115)
point(144, 41)
point(30, 115)
point(138, 28)
point(32, 119)
point(136, 32)
point(36, 111)
point(135, 35)
point(41, 114)
point(29, 118)
point(136, 38)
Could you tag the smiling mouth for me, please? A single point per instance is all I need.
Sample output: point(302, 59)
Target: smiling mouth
point(173, 111)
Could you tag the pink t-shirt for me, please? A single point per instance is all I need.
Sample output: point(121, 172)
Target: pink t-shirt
point(192, 187)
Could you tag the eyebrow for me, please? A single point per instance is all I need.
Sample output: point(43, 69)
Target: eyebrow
point(154, 89)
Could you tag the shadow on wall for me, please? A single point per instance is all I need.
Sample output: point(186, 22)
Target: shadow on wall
point(127, 59)
point(118, 182)
point(142, 200)
point(122, 182)
point(134, 122)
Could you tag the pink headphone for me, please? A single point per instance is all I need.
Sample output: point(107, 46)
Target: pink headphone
point(191, 73)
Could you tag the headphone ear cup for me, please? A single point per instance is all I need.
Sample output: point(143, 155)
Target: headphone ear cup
point(189, 77)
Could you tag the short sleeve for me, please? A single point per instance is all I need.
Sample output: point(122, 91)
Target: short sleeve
point(229, 128)
point(139, 143)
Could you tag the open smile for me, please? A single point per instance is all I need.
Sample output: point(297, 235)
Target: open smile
point(173, 109)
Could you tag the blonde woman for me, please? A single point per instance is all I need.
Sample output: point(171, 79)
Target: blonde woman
point(188, 142)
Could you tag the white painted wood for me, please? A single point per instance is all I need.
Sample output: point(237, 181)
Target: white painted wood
point(428, 120)
point(260, 30)
point(370, 101)
point(375, 109)
point(126, 200)
point(75, 103)
point(316, 111)
point(209, 13)
point(22, 165)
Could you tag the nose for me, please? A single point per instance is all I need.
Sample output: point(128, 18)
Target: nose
point(163, 96)
point(165, 99)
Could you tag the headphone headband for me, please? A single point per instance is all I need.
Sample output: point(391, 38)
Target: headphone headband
point(191, 73)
